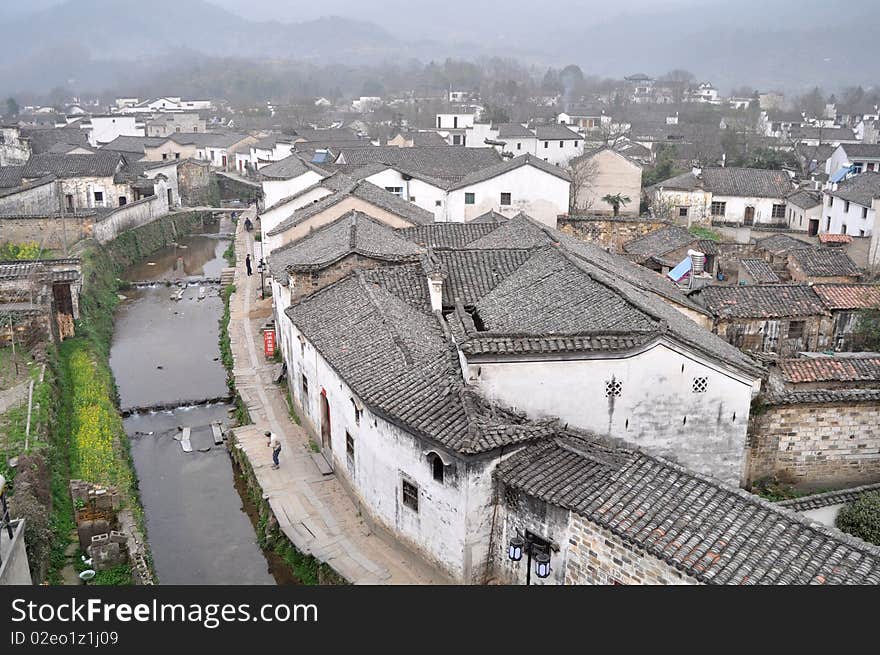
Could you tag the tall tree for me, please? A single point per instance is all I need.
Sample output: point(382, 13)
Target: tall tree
point(12, 108)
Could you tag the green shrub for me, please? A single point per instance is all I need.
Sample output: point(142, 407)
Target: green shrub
point(862, 518)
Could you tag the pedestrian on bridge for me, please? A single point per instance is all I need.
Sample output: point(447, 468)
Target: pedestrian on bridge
point(247, 264)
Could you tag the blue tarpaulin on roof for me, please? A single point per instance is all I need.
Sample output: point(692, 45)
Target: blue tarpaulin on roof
point(683, 268)
point(841, 174)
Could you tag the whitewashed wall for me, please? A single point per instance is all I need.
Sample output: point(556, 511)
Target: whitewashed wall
point(420, 193)
point(385, 455)
point(275, 190)
point(106, 128)
point(859, 220)
point(540, 195)
point(656, 410)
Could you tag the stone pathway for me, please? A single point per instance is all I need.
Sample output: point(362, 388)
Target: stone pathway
point(313, 510)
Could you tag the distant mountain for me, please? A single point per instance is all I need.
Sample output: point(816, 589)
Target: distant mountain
point(84, 40)
point(785, 44)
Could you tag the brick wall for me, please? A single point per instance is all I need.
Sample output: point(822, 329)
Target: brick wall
point(598, 557)
point(608, 232)
point(815, 445)
point(306, 283)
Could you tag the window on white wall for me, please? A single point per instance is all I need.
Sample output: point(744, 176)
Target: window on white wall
point(700, 384)
point(410, 493)
point(505, 198)
point(613, 388)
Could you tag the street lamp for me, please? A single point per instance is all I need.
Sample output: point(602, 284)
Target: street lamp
point(262, 267)
point(535, 548)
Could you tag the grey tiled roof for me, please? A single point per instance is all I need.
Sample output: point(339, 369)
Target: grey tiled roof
point(445, 164)
point(10, 176)
point(406, 281)
point(710, 531)
point(867, 150)
point(426, 138)
point(471, 274)
point(749, 182)
point(760, 271)
point(860, 189)
point(737, 182)
point(782, 244)
point(518, 232)
point(290, 167)
point(208, 139)
point(822, 396)
point(804, 198)
point(43, 139)
point(353, 233)
point(839, 497)
point(447, 235)
point(660, 241)
point(400, 363)
point(99, 164)
point(762, 301)
point(513, 130)
point(556, 132)
point(133, 144)
point(364, 190)
point(615, 304)
point(549, 295)
point(825, 262)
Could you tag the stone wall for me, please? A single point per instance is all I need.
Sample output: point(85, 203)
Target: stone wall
point(195, 185)
point(598, 557)
point(815, 445)
point(55, 232)
point(131, 216)
point(134, 245)
point(38, 199)
point(607, 231)
point(759, 335)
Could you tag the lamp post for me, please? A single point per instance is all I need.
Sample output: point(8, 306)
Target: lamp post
point(535, 548)
point(262, 267)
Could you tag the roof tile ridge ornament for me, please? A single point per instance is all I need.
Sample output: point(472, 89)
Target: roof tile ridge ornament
point(352, 233)
point(395, 336)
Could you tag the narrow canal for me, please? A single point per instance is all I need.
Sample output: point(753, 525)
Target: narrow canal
point(166, 351)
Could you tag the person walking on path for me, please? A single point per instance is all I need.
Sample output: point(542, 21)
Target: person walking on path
point(247, 264)
point(248, 225)
point(275, 444)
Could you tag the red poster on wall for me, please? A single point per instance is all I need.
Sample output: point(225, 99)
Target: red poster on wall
point(269, 342)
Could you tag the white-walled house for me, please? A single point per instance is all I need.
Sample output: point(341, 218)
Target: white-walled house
point(524, 184)
point(104, 129)
point(857, 157)
point(725, 196)
point(804, 211)
point(850, 207)
point(286, 178)
point(419, 372)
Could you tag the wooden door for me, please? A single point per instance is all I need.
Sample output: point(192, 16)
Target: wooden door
point(325, 427)
point(750, 216)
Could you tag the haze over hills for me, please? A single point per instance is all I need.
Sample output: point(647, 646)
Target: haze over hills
point(780, 44)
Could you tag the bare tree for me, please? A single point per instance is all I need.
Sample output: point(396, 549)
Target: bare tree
point(584, 171)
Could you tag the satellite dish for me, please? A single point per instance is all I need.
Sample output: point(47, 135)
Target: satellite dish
point(87, 575)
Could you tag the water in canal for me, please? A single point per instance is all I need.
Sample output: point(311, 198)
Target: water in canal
point(166, 351)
